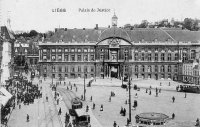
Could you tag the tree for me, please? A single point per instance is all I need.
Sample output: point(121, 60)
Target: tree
point(33, 33)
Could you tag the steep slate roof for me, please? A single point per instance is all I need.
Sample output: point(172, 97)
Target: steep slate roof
point(148, 34)
point(135, 35)
point(184, 35)
point(78, 35)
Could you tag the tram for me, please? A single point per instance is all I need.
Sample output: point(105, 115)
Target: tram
point(189, 88)
point(80, 117)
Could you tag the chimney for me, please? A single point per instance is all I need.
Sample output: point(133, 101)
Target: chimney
point(108, 26)
point(65, 29)
point(83, 28)
point(96, 27)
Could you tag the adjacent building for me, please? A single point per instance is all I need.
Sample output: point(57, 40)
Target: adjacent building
point(116, 52)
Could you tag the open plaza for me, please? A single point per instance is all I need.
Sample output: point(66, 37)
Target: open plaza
point(42, 113)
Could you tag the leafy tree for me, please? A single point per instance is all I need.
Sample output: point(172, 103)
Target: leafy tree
point(33, 33)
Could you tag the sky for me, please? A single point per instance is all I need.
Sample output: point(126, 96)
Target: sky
point(26, 15)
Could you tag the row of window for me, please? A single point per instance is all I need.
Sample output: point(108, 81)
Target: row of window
point(71, 57)
point(71, 69)
point(156, 68)
point(149, 56)
point(70, 50)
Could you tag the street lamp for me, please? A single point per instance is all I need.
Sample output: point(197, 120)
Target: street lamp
point(84, 87)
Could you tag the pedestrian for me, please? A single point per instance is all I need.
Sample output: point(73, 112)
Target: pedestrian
point(173, 99)
point(185, 94)
point(114, 124)
point(93, 106)
point(124, 112)
point(136, 96)
point(71, 87)
point(91, 98)
point(121, 111)
point(160, 90)
point(127, 121)
point(46, 98)
point(27, 118)
point(87, 108)
point(76, 89)
point(160, 84)
point(146, 90)
point(173, 115)
point(156, 89)
point(57, 101)
point(101, 108)
point(59, 112)
point(150, 92)
point(197, 122)
point(110, 99)
point(126, 102)
point(156, 94)
point(19, 105)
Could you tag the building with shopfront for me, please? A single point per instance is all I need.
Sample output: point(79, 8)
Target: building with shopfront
point(116, 52)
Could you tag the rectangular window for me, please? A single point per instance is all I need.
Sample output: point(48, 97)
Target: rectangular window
point(169, 68)
point(162, 57)
point(79, 57)
point(136, 56)
point(66, 57)
point(149, 57)
point(142, 57)
point(156, 56)
point(60, 69)
point(53, 68)
point(156, 68)
point(92, 68)
point(193, 54)
point(169, 57)
point(175, 68)
point(45, 69)
point(72, 69)
point(176, 56)
point(53, 50)
point(44, 57)
point(44, 50)
point(72, 57)
point(126, 56)
point(53, 58)
point(136, 68)
point(79, 68)
point(92, 57)
point(126, 68)
point(85, 69)
point(59, 50)
point(86, 57)
point(101, 56)
point(66, 68)
point(60, 57)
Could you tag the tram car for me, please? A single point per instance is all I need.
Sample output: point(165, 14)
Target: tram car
point(189, 88)
point(82, 118)
point(76, 104)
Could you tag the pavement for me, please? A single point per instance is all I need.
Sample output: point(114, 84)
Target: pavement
point(44, 113)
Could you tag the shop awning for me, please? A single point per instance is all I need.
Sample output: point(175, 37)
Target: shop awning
point(4, 96)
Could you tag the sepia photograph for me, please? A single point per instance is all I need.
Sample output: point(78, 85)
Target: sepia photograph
point(100, 63)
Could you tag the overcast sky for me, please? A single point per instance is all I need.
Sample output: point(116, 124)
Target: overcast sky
point(37, 14)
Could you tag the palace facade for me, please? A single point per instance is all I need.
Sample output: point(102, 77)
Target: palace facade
point(116, 52)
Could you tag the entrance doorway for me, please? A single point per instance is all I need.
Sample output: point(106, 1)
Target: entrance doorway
point(114, 72)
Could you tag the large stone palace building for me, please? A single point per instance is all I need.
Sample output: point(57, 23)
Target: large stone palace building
point(116, 52)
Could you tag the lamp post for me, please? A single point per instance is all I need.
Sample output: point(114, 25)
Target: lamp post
point(129, 86)
point(84, 87)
